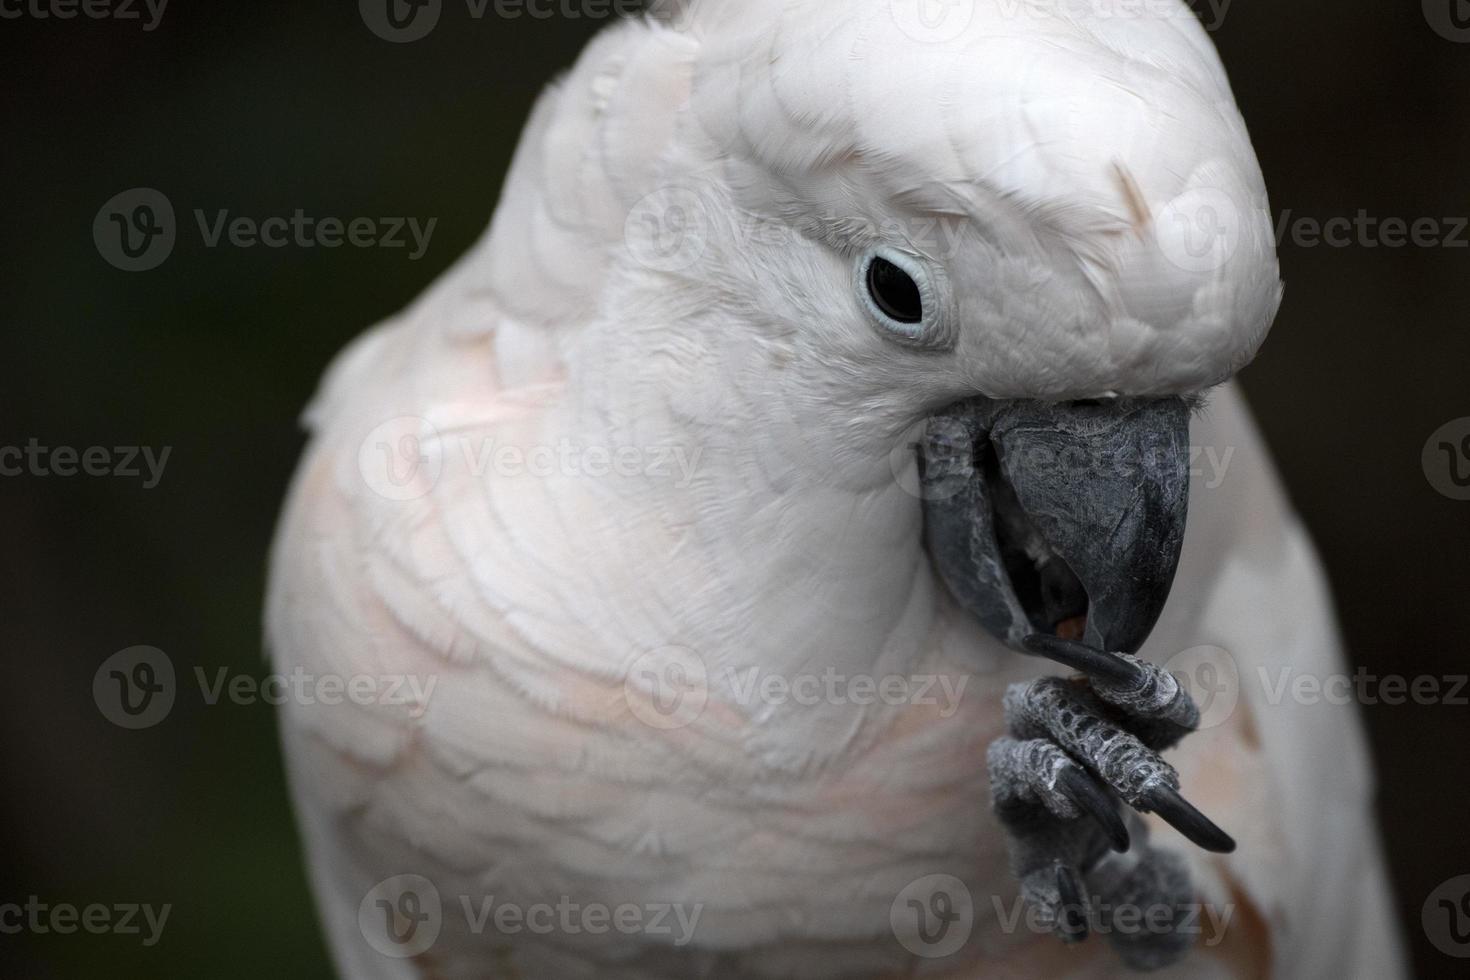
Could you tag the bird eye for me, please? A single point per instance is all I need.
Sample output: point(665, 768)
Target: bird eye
point(902, 293)
point(894, 292)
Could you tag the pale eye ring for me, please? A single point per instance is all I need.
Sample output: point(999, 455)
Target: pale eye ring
point(902, 295)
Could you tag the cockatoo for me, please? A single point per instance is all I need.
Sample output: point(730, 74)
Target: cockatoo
point(860, 343)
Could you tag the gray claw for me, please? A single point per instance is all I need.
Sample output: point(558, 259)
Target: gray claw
point(1090, 798)
point(1180, 814)
point(1071, 914)
point(1106, 667)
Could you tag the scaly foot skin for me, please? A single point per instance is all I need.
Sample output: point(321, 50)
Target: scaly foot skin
point(1076, 748)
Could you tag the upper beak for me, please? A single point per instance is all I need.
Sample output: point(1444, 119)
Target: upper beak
point(1063, 519)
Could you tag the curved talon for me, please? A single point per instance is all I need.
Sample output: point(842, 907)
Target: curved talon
point(1071, 915)
point(1096, 664)
point(1090, 798)
point(1180, 814)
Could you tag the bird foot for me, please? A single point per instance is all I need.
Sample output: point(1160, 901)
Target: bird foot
point(1076, 750)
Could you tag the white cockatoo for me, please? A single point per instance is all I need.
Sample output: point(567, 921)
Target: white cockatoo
point(679, 560)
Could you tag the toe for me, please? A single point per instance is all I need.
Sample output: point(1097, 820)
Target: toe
point(1071, 715)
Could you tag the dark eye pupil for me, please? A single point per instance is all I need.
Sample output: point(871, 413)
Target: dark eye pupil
point(895, 292)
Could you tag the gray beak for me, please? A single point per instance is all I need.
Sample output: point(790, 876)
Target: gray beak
point(1062, 519)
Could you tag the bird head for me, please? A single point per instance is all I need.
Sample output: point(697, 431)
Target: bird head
point(1031, 232)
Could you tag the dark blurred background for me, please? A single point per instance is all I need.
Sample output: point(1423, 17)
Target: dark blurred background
point(1355, 105)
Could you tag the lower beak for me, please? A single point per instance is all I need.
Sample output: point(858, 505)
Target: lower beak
point(1064, 519)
